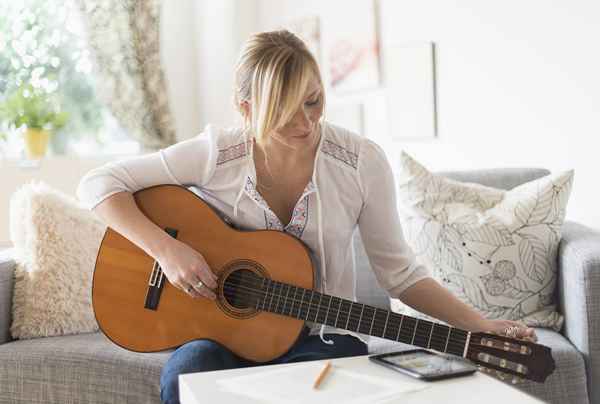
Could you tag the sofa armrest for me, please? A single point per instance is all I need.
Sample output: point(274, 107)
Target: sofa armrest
point(579, 294)
point(7, 269)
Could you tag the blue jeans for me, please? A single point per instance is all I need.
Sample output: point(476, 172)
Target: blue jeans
point(203, 355)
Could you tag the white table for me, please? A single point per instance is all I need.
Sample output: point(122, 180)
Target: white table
point(207, 387)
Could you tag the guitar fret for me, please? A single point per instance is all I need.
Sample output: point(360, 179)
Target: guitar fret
point(422, 332)
point(456, 346)
point(433, 335)
point(297, 302)
point(279, 294)
point(381, 317)
point(372, 321)
point(414, 332)
point(349, 311)
point(275, 297)
point(387, 318)
point(360, 318)
point(400, 327)
point(312, 292)
point(447, 339)
point(328, 307)
point(293, 301)
point(301, 303)
point(338, 313)
point(266, 295)
point(288, 287)
point(262, 287)
point(318, 307)
point(272, 294)
point(367, 313)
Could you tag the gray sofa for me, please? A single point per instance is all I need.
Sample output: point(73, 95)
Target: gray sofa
point(88, 368)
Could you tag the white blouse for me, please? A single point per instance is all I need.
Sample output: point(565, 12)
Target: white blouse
point(352, 184)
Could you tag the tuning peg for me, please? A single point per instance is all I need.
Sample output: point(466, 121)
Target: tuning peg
point(503, 376)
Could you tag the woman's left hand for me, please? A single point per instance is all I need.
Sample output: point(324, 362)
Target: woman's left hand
point(507, 328)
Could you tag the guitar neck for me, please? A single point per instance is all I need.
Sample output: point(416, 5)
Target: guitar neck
point(309, 305)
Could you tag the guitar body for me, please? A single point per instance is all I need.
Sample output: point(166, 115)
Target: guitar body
point(123, 271)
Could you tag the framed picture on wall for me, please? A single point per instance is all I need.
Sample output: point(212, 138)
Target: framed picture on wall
point(352, 48)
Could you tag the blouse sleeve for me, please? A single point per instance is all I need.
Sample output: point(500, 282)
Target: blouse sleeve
point(189, 162)
point(391, 258)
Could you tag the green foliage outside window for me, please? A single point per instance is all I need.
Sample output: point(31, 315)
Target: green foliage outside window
point(43, 53)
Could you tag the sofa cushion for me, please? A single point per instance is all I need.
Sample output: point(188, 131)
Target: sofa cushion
point(368, 290)
point(566, 385)
point(84, 368)
point(494, 249)
point(56, 242)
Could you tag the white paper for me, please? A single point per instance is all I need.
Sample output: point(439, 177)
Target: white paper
point(294, 384)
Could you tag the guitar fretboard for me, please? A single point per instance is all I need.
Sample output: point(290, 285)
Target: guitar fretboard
point(309, 305)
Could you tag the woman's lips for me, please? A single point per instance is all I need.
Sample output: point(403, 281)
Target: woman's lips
point(303, 135)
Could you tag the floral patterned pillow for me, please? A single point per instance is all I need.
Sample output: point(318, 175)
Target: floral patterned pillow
point(494, 249)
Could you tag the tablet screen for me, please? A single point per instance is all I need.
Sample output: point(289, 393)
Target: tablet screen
point(428, 364)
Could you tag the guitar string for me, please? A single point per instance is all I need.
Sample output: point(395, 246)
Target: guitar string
point(419, 332)
point(441, 341)
point(311, 305)
point(288, 305)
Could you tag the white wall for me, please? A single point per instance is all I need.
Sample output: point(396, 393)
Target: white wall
point(517, 83)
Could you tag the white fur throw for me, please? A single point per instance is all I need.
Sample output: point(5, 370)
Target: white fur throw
point(56, 241)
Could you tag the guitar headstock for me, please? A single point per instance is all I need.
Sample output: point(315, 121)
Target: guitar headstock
point(511, 357)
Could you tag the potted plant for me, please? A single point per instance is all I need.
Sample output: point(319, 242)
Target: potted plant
point(38, 112)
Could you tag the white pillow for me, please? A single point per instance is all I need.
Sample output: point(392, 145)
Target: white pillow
point(56, 242)
point(494, 249)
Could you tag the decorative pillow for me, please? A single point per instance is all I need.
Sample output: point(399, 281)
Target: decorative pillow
point(56, 242)
point(494, 249)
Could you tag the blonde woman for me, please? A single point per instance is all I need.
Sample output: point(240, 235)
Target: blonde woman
point(285, 169)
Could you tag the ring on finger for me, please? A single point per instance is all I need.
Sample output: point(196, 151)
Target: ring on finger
point(189, 288)
point(199, 284)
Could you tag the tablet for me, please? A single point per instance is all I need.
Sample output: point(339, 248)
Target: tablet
point(424, 364)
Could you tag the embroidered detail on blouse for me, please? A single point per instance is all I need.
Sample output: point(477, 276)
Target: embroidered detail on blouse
point(299, 218)
point(338, 152)
point(272, 221)
point(233, 152)
point(252, 192)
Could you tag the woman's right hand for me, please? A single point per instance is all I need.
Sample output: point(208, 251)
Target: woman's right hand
point(185, 268)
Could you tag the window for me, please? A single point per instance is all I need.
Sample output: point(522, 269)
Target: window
point(43, 44)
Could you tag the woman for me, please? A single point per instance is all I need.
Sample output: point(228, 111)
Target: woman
point(286, 169)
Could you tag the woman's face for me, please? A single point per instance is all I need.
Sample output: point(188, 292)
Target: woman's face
point(302, 130)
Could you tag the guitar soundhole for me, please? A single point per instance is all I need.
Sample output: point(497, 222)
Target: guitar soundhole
point(242, 289)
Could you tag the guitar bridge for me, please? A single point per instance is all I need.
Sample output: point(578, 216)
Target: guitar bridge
point(156, 281)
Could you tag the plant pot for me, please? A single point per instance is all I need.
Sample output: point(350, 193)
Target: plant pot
point(36, 143)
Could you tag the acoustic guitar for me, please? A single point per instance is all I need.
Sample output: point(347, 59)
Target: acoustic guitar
point(264, 296)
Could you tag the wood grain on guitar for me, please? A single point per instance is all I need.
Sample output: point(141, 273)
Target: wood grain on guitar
point(265, 294)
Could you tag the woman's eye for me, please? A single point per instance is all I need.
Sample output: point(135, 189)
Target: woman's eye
point(312, 103)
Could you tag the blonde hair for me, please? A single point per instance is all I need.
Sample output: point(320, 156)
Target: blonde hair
point(272, 74)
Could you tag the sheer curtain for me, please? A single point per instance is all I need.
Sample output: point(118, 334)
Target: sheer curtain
point(124, 36)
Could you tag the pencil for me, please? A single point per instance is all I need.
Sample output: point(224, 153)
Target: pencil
point(322, 374)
